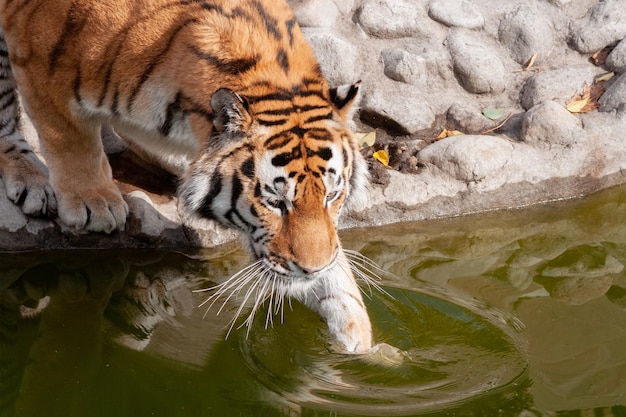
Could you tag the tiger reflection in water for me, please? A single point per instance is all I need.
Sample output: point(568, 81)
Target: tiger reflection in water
point(76, 311)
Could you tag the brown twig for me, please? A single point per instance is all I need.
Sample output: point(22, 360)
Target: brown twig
point(506, 119)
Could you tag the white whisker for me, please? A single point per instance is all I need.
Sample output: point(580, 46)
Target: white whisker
point(251, 289)
point(237, 281)
point(366, 269)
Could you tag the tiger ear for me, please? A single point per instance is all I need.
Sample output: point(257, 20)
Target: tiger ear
point(230, 112)
point(344, 99)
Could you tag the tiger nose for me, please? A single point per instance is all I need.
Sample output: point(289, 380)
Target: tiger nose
point(308, 270)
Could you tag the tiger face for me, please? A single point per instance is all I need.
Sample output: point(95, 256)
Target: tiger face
point(280, 177)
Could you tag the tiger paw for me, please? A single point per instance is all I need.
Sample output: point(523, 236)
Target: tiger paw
point(26, 183)
point(96, 209)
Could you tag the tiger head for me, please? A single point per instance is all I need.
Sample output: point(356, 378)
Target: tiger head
point(280, 166)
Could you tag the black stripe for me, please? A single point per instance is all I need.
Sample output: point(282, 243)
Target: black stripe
point(291, 23)
point(276, 112)
point(270, 23)
point(116, 102)
point(233, 214)
point(284, 158)
point(247, 168)
point(120, 39)
point(325, 116)
point(76, 86)
point(212, 8)
point(278, 141)
point(8, 103)
point(274, 122)
point(172, 108)
point(236, 190)
point(277, 96)
point(319, 134)
point(158, 58)
point(206, 209)
point(325, 154)
point(10, 149)
point(74, 24)
point(283, 60)
point(230, 66)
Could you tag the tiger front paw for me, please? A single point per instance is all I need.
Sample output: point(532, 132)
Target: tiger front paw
point(100, 208)
point(26, 183)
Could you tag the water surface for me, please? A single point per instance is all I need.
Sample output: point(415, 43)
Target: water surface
point(518, 313)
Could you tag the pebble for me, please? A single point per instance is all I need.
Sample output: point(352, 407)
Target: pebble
point(145, 220)
point(400, 65)
point(337, 57)
point(614, 98)
point(392, 18)
point(550, 123)
point(308, 14)
point(459, 13)
point(404, 112)
point(468, 158)
point(525, 32)
point(616, 61)
point(604, 24)
point(559, 85)
point(467, 118)
point(477, 66)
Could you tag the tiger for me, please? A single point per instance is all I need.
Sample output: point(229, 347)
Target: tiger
point(225, 94)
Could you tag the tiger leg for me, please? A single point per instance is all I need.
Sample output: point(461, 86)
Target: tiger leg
point(337, 298)
point(25, 177)
point(80, 173)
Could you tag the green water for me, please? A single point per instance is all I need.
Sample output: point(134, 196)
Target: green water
point(521, 313)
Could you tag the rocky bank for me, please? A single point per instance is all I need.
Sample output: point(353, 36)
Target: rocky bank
point(501, 72)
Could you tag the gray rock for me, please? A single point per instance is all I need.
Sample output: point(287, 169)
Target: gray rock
point(400, 65)
point(560, 3)
point(616, 61)
point(308, 14)
point(404, 113)
point(467, 119)
point(604, 24)
point(559, 85)
point(524, 31)
point(460, 13)
point(469, 158)
point(550, 123)
point(614, 98)
point(337, 57)
point(392, 18)
point(144, 220)
point(478, 68)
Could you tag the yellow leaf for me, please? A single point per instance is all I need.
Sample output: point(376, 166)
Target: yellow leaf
point(575, 106)
point(366, 139)
point(445, 133)
point(382, 157)
point(605, 77)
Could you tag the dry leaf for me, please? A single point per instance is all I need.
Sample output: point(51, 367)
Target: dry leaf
point(588, 100)
point(605, 77)
point(382, 157)
point(577, 105)
point(366, 139)
point(599, 57)
point(445, 133)
point(529, 64)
